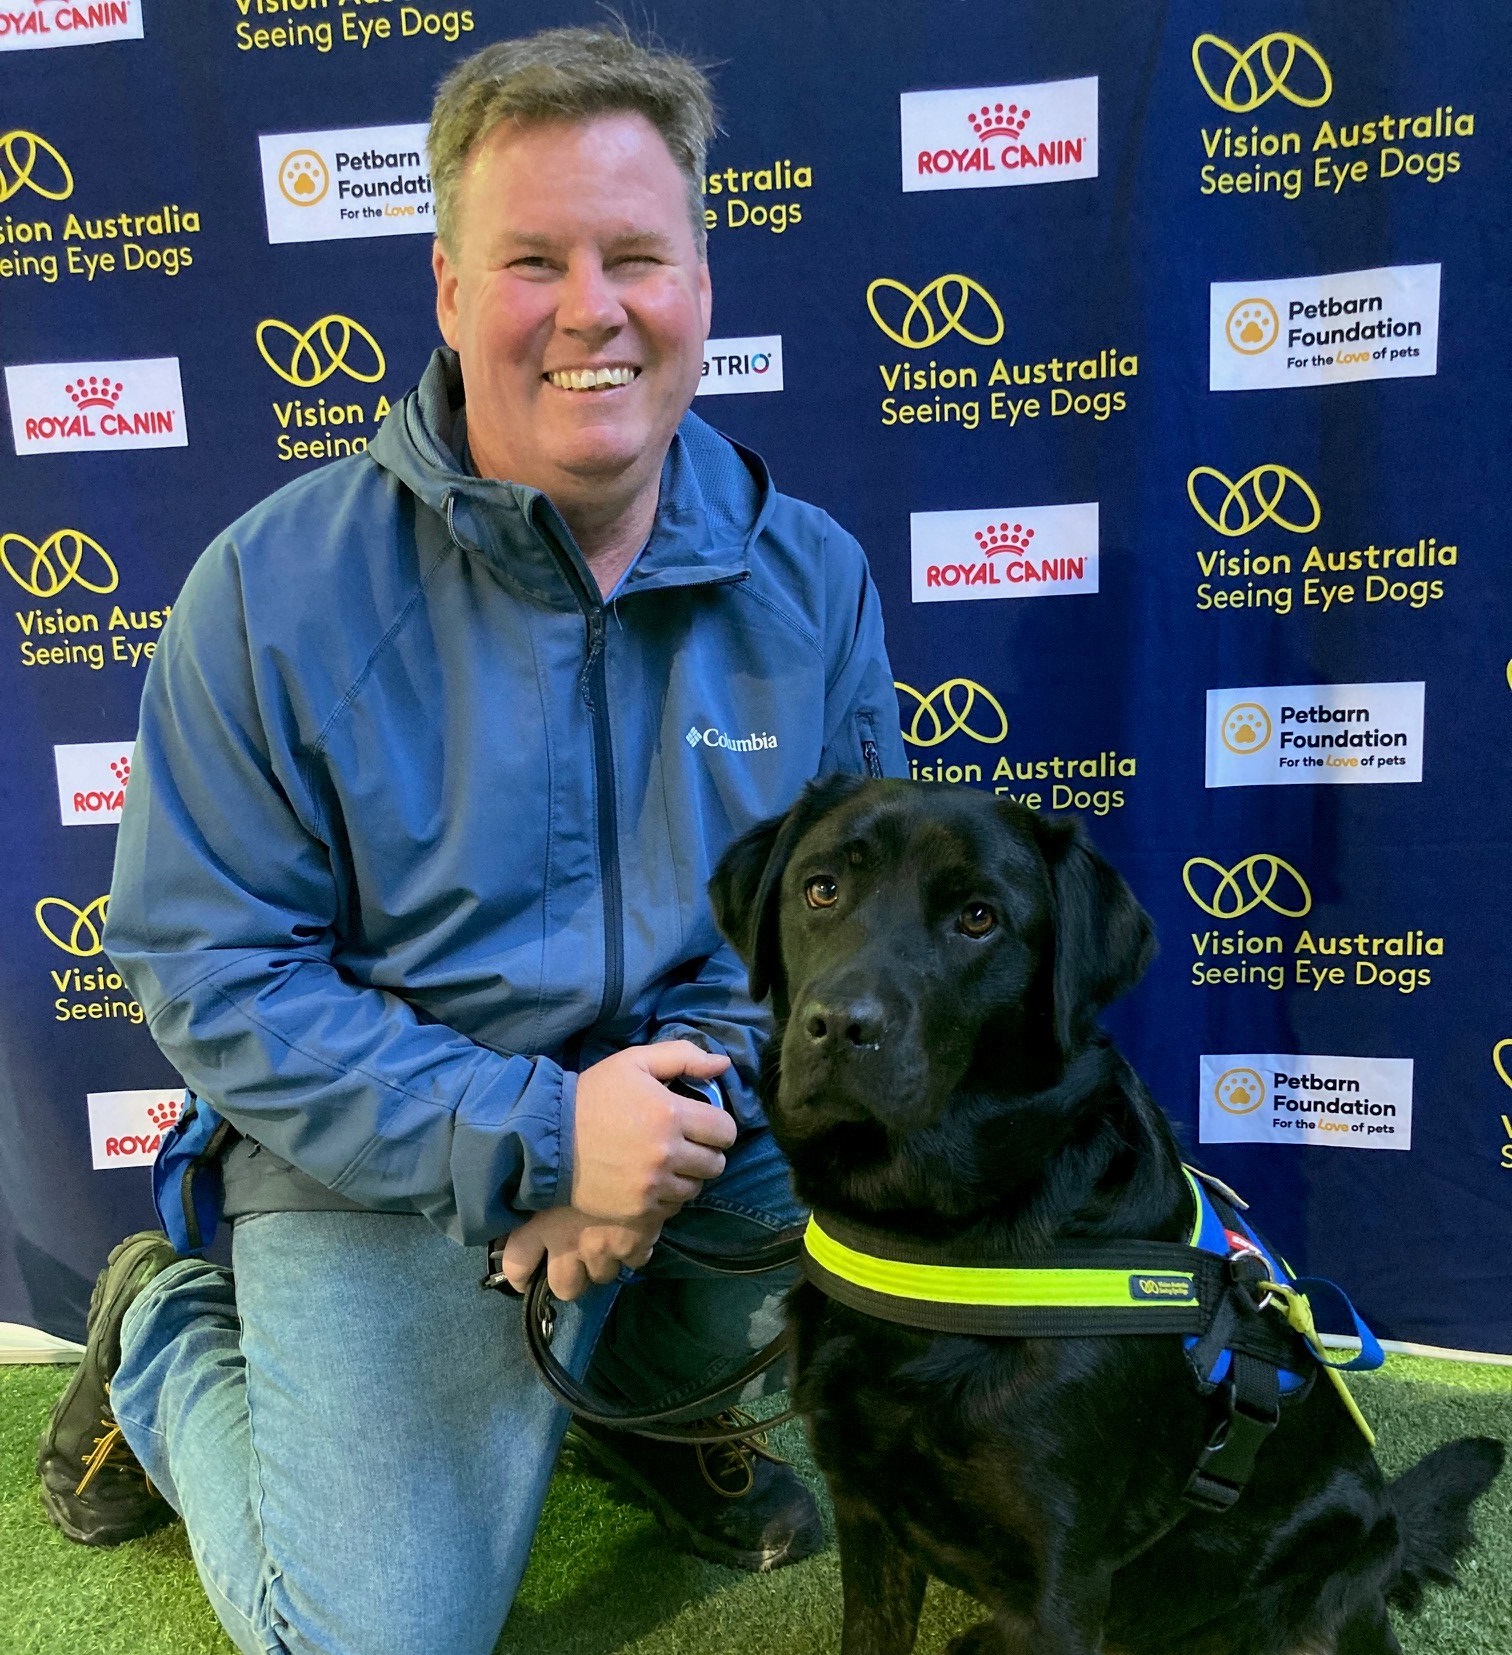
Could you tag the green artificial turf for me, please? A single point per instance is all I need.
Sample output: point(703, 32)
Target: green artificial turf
point(603, 1577)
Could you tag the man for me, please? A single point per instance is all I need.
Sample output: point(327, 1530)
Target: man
point(435, 758)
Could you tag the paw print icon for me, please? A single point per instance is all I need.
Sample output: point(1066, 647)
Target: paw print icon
point(1240, 1091)
point(1253, 326)
point(303, 177)
point(1245, 728)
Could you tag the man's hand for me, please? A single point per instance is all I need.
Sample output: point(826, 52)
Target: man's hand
point(641, 1151)
point(579, 1249)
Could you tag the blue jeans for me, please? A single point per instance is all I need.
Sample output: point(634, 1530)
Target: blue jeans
point(353, 1432)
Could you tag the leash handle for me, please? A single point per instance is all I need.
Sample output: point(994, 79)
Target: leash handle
point(1298, 1312)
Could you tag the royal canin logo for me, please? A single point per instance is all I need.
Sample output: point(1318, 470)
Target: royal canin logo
point(98, 393)
point(95, 802)
point(92, 779)
point(1018, 552)
point(991, 136)
point(161, 1116)
point(1010, 541)
point(993, 121)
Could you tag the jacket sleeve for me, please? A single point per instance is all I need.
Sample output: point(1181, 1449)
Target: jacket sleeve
point(223, 919)
point(713, 1008)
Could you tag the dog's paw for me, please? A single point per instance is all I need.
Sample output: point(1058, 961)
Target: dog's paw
point(982, 1639)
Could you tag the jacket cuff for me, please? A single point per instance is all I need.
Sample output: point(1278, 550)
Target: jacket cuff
point(512, 1152)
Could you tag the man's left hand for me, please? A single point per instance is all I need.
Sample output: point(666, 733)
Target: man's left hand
point(578, 1249)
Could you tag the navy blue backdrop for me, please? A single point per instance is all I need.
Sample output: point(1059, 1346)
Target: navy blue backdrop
point(1225, 279)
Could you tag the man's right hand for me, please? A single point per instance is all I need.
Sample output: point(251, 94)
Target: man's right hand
point(641, 1151)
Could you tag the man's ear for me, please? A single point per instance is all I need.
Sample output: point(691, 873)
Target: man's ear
point(746, 885)
point(1103, 939)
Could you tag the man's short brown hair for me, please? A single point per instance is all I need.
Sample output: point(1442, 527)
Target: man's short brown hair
point(568, 75)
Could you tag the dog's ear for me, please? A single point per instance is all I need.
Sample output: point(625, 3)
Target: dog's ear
point(745, 885)
point(1103, 939)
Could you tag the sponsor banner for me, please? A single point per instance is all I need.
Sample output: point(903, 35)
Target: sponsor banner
point(74, 407)
point(1324, 330)
point(35, 25)
point(1004, 552)
point(346, 30)
point(354, 181)
point(1283, 734)
point(990, 137)
point(768, 196)
point(1338, 1102)
point(732, 365)
point(92, 777)
point(126, 1128)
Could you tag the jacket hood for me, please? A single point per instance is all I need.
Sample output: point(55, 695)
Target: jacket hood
point(715, 497)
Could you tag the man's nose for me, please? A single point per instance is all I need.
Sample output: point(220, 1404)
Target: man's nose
point(844, 1023)
point(587, 303)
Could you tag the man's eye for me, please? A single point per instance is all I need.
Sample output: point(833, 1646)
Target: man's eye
point(976, 920)
point(821, 892)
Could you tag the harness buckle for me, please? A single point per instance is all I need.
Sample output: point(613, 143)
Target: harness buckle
point(1228, 1459)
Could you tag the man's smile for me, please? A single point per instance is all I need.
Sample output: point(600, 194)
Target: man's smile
point(590, 379)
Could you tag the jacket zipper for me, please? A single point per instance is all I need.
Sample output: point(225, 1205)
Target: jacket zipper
point(595, 685)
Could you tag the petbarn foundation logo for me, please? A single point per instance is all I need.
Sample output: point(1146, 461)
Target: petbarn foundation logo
point(1333, 1102)
point(764, 197)
point(126, 1128)
point(1333, 153)
point(66, 564)
point(1268, 891)
point(1287, 734)
point(34, 25)
point(77, 407)
point(1324, 330)
point(734, 365)
point(92, 779)
point(333, 351)
point(958, 310)
point(1004, 552)
point(335, 25)
point(354, 181)
point(34, 173)
point(1271, 498)
point(987, 137)
point(962, 717)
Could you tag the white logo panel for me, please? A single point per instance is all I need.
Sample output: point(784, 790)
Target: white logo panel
point(126, 1128)
point(92, 777)
point(1338, 1102)
point(355, 181)
point(35, 25)
point(732, 365)
point(1324, 330)
point(1004, 552)
point(1279, 735)
point(73, 407)
point(992, 137)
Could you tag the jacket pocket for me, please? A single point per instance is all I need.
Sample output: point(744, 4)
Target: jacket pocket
point(869, 753)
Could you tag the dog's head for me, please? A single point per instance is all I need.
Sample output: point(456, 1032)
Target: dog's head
point(917, 941)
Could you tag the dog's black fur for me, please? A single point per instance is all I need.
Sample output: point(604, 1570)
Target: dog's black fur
point(941, 1084)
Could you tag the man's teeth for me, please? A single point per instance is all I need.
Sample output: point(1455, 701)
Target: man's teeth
point(590, 379)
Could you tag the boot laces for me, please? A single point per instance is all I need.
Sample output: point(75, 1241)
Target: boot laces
point(110, 1448)
point(722, 1462)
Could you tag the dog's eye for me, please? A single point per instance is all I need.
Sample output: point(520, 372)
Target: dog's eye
point(821, 892)
point(976, 920)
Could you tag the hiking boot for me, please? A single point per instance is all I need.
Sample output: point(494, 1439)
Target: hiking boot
point(736, 1503)
point(93, 1488)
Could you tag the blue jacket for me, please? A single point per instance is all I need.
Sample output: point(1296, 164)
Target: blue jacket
point(418, 827)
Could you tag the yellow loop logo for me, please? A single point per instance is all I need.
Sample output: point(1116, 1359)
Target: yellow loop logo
point(957, 697)
point(1276, 55)
point(1496, 1058)
point(83, 937)
point(303, 177)
point(1245, 728)
point(1240, 1091)
point(1268, 485)
point(331, 343)
point(30, 162)
point(922, 326)
point(66, 557)
point(1259, 880)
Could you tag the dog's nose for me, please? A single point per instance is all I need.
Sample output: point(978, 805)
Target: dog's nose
point(840, 1025)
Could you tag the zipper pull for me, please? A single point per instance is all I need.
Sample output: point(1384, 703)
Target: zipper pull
point(595, 620)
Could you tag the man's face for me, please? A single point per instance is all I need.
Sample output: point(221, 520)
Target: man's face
point(575, 253)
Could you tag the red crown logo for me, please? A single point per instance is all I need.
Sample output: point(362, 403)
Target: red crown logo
point(121, 769)
point(163, 1115)
point(94, 392)
point(994, 121)
point(1001, 537)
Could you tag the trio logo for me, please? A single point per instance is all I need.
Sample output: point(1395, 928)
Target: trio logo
point(1270, 487)
point(84, 938)
point(304, 178)
point(334, 342)
point(954, 294)
point(66, 557)
point(958, 698)
point(29, 162)
point(732, 366)
point(1246, 728)
point(1282, 57)
point(1240, 1091)
point(1268, 881)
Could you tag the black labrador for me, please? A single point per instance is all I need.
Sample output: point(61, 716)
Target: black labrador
point(936, 962)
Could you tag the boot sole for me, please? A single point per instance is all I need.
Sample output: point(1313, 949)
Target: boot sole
point(604, 1462)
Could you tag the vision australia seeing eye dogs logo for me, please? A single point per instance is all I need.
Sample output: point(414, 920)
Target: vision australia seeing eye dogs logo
point(921, 326)
point(84, 937)
point(334, 342)
point(66, 557)
point(29, 162)
point(1290, 65)
point(958, 698)
point(1260, 880)
point(1264, 494)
